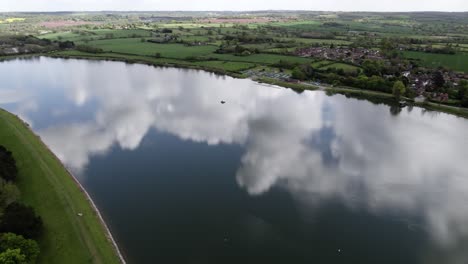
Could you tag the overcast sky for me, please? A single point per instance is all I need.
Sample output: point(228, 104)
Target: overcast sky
point(217, 5)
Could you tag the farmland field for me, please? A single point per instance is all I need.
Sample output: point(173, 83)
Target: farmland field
point(226, 65)
point(135, 46)
point(319, 41)
point(262, 58)
point(80, 35)
point(458, 62)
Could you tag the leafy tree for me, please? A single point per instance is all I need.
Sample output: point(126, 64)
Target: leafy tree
point(361, 81)
point(28, 247)
point(8, 169)
point(298, 74)
point(67, 45)
point(462, 89)
point(398, 89)
point(372, 67)
point(21, 219)
point(12, 256)
point(464, 101)
point(438, 79)
point(9, 193)
point(376, 83)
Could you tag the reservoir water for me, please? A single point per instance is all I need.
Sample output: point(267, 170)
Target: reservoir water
point(269, 176)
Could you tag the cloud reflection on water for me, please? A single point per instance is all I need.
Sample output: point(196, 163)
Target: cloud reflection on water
point(314, 146)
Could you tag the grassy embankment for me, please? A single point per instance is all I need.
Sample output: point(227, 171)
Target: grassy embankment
point(47, 186)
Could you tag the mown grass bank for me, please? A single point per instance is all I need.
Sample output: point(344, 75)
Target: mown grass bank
point(47, 186)
point(299, 87)
point(458, 111)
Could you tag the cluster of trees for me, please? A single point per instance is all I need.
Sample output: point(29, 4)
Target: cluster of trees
point(20, 227)
point(31, 44)
point(463, 93)
point(12, 44)
point(236, 50)
point(369, 78)
point(398, 90)
point(89, 49)
point(244, 37)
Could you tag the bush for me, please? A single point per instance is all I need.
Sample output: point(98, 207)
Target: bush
point(8, 169)
point(464, 101)
point(66, 45)
point(89, 49)
point(28, 247)
point(12, 256)
point(9, 193)
point(298, 74)
point(21, 219)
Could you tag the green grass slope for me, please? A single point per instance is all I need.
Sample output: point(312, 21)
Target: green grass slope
point(46, 185)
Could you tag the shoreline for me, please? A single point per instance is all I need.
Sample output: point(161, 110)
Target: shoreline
point(299, 87)
point(95, 209)
point(109, 235)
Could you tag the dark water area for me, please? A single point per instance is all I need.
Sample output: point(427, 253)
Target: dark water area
point(271, 176)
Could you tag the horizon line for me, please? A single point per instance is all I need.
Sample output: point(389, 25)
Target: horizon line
point(237, 11)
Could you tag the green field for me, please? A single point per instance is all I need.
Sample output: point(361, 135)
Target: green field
point(194, 38)
point(228, 66)
point(457, 62)
point(303, 24)
point(45, 185)
point(261, 58)
point(135, 46)
point(318, 41)
point(322, 63)
point(179, 51)
point(80, 35)
point(231, 66)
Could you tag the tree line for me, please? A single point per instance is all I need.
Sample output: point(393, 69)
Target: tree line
point(20, 226)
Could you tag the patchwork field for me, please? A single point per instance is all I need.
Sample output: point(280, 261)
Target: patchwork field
point(262, 58)
point(80, 36)
point(457, 62)
point(135, 46)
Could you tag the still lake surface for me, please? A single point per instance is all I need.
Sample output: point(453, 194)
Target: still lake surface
point(271, 176)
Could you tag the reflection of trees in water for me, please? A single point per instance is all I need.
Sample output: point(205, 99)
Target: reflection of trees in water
point(395, 109)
